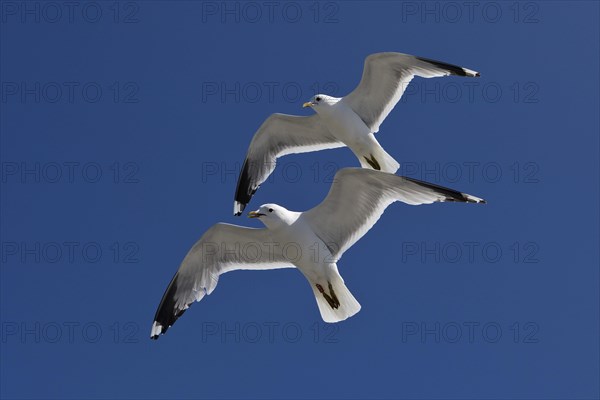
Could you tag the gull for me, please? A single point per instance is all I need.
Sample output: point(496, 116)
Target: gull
point(348, 121)
point(312, 241)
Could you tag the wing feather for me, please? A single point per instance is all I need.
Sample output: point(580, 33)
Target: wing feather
point(358, 198)
point(384, 80)
point(221, 249)
point(279, 135)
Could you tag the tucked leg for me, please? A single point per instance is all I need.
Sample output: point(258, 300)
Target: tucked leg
point(331, 298)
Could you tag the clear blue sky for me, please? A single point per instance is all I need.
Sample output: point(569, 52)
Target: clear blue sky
point(122, 129)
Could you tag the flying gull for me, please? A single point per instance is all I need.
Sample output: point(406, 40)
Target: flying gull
point(356, 200)
point(347, 121)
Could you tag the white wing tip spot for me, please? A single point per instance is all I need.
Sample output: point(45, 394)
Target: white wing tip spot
point(156, 330)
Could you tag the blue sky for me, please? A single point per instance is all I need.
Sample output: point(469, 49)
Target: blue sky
point(123, 126)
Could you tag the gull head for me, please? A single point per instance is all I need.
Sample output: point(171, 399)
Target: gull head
point(319, 102)
point(273, 215)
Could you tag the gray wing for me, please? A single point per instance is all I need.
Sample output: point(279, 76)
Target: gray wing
point(358, 197)
point(279, 135)
point(222, 248)
point(386, 76)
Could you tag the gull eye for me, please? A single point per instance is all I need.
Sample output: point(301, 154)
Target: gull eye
point(270, 210)
point(318, 99)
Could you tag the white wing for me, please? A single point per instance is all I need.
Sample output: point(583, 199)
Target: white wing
point(222, 248)
point(386, 76)
point(279, 135)
point(359, 196)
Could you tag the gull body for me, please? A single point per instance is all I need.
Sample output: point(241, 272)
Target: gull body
point(312, 242)
point(350, 121)
point(294, 228)
point(347, 127)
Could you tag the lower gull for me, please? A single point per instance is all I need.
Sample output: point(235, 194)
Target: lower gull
point(356, 200)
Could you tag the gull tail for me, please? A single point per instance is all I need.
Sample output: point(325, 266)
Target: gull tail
point(377, 158)
point(335, 301)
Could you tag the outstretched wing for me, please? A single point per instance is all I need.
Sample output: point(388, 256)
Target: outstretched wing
point(358, 197)
point(222, 248)
point(386, 76)
point(279, 135)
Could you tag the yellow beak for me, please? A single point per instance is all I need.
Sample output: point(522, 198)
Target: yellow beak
point(254, 214)
point(307, 104)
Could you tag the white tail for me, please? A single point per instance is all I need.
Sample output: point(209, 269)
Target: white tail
point(348, 306)
point(387, 162)
point(375, 157)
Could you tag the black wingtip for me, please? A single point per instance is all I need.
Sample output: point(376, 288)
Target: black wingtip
point(451, 194)
point(238, 208)
point(244, 191)
point(473, 199)
point(167, 312)
point(454, 69)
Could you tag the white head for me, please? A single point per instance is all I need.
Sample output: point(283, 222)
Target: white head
point(273, 215)
point(319, 102)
